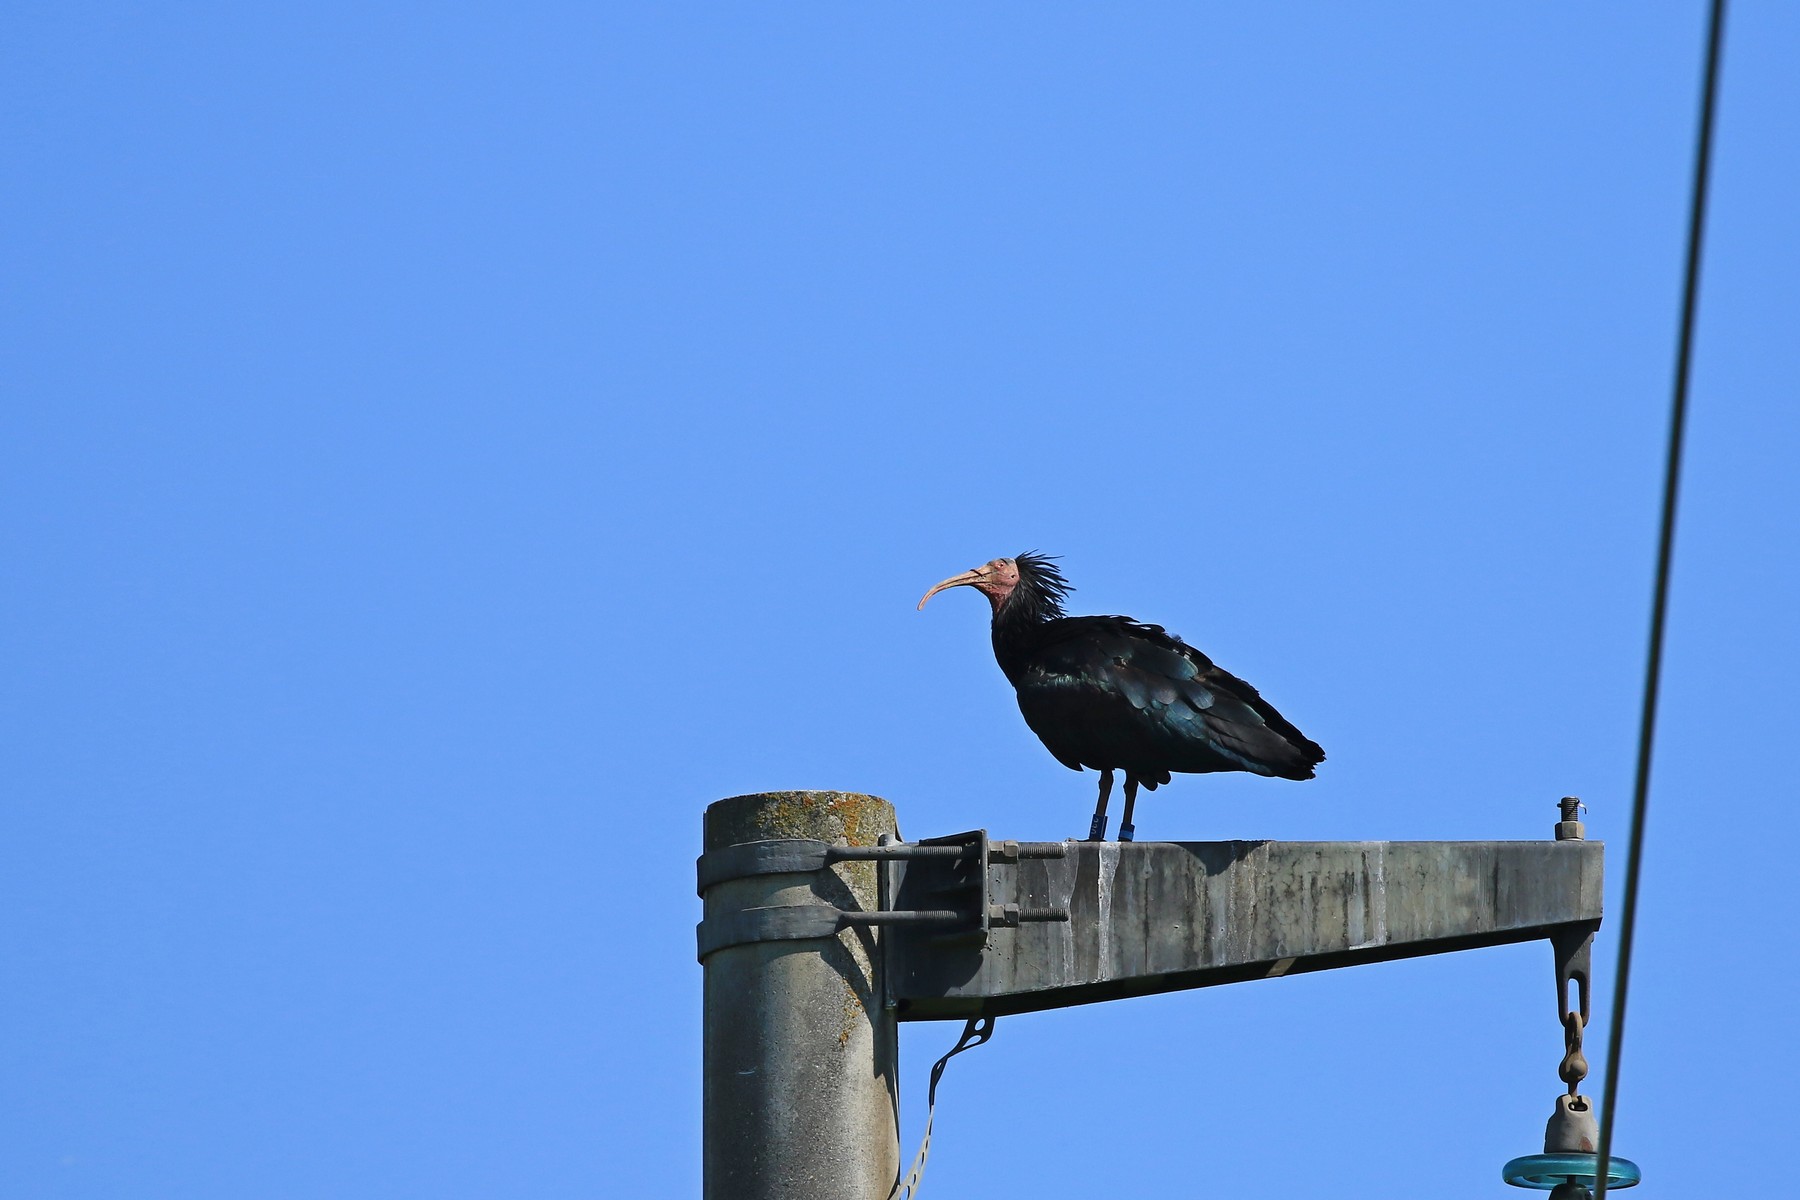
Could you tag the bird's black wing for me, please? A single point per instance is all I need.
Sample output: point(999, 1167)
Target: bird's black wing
point(1111, 691)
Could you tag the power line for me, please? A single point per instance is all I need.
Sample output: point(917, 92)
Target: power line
point(1640, 804)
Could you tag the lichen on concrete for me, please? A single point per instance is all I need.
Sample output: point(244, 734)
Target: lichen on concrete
point(858, 818)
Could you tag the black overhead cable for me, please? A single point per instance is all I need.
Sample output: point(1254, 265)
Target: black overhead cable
point(1640, 804)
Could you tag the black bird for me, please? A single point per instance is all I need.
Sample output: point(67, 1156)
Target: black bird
point(1118, 695)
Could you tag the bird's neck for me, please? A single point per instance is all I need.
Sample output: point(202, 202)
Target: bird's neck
point(1014, 633)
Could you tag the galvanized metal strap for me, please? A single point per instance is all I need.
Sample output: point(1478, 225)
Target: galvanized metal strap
point(977, 1031)
point(777, 856)
point(776, 923)
point(804, 856)
point(792, 922)
point(794, 856)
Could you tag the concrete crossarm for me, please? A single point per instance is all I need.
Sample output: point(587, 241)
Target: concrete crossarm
point(1148, 917)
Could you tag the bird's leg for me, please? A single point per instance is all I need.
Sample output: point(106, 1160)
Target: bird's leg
point(1127, 830)
point(1097, 828)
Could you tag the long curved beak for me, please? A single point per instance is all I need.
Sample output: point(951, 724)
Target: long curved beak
point(966, 579)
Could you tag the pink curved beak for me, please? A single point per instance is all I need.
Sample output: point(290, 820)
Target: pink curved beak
point(966, 579)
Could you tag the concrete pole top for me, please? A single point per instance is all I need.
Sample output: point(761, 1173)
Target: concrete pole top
point(856, 818)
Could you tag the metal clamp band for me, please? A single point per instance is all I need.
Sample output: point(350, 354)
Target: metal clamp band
point(777, 923)
point(801, 856)
point(779, 856)
point(791, 922)
point(793, 856)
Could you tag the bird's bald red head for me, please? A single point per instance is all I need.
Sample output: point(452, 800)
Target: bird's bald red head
point(995, 580)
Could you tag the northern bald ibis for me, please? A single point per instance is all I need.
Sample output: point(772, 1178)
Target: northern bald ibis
point(1116, 694)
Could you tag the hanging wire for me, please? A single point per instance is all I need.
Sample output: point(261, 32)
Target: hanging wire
point(977, 1031)
point(1640, 803)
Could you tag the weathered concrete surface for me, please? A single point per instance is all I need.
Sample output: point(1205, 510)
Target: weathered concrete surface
point(800, 1054)
point(1151, 917)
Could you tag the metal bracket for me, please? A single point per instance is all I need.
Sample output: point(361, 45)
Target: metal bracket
point(965, 880)
point(970, 882)
point(1574, 966)
point(955, 879)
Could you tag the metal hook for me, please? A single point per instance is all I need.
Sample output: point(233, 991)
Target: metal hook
point(1574, 964)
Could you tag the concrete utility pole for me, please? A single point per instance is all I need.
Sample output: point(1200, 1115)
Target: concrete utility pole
point(801, 1096)
point(821, 932)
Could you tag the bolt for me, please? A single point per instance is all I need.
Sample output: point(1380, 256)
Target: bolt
point(1570, 828)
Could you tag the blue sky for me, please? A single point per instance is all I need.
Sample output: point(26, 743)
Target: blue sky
point(447, 447)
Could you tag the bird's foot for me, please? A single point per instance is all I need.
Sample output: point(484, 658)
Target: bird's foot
point(1127, 832)
point(1097, 829)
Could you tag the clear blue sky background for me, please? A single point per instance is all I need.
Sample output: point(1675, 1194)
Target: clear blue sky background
point(445, 447)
